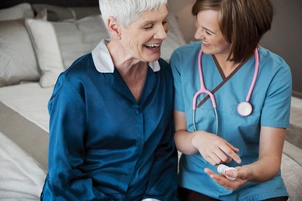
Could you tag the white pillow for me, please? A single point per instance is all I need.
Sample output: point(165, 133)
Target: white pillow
point(79, 37)
point(54, 13)
point(17, 57)
point(19, 11)
point(60, 13)
point(59, 44)
point(47, 50)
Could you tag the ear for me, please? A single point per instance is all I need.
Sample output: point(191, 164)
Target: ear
point(114, 28)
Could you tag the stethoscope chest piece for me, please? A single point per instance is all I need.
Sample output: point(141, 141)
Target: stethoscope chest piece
point(244, 108)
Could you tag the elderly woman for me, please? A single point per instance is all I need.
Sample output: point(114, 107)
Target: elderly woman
point(111, 125)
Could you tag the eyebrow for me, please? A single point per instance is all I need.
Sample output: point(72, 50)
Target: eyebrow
point(152, 21)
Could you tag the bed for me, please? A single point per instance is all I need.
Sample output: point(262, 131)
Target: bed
point(37, 42)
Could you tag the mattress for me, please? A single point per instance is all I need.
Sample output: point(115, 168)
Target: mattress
point(23, 140)
point(24, 145)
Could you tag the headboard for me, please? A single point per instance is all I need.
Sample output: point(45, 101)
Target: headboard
point(70, 3)
point(180, 7)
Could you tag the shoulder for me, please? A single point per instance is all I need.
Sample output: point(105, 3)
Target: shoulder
point(75, 76)
point(80, 64)
point(275, 72)
point(80, 69)
point(272, 61)
point(185, 55)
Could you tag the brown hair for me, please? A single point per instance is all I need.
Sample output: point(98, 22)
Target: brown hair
point(242, 23)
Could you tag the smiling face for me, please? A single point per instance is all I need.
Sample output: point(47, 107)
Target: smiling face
point(142, 38)
point(209, 32)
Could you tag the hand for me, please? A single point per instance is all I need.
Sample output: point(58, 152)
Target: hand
point(240, 174)
point(214, 149)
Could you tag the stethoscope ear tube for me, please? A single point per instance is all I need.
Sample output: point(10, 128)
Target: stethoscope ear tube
point(194, 120)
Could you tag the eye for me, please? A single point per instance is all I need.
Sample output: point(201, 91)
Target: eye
point(208, 33)
point(149, 26)
point(165, 22)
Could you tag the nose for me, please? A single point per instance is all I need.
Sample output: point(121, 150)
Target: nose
point(199, 33)
point(161, 32)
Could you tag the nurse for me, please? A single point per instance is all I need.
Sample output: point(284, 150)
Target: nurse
point(232, 105)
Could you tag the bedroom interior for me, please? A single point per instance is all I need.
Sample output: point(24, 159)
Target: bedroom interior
point(40, 38)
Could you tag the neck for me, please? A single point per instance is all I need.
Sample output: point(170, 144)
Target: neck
point(121, 59)
point(227, 67)
point(132, 70)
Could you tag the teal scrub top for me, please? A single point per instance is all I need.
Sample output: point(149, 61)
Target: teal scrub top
point(271, 107)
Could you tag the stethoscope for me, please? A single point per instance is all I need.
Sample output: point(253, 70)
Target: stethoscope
point(244, 108)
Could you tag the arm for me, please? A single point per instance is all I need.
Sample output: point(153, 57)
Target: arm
point(66, 147)
point(264, 169)
point(212, 148)
point(268, 165)
point(162, 183)
point(275, 112)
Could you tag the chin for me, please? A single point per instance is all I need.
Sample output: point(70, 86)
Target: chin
point(207, 51)
point(152, 58)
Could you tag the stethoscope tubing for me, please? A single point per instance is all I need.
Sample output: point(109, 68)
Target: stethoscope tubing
point(211, 95)
point(255, 76)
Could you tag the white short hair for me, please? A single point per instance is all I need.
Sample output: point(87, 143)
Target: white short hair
point(127, 11)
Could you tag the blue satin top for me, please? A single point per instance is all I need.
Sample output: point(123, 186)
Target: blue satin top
point(104, 145)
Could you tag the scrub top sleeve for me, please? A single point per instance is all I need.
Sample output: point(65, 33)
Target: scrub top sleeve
point(162, 182)
point(276, 110)
point(176, 71)
point(66, 146)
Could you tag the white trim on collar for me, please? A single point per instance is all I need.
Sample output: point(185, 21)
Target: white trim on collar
point(103, 62)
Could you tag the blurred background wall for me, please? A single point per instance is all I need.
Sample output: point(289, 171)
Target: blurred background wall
point(285, 38)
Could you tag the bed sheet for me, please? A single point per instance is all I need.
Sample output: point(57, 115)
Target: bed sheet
point(21, 178)
point(30, 100)
point(23, 141)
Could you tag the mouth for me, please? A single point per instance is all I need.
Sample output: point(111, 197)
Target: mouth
point(206, 44)
point(153, 46)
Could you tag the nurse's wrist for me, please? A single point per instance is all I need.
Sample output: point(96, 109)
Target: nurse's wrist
point(197, 139)
point(249, 175)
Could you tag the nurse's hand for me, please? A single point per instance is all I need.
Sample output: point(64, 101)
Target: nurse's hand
point(240, 174)
point(214, 149)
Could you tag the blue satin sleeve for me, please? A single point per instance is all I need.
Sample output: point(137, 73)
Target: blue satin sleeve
point(65, 180)
point(165, 168)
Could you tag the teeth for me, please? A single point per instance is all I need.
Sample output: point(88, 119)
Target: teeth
point(152, 45)
point(205, 42)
